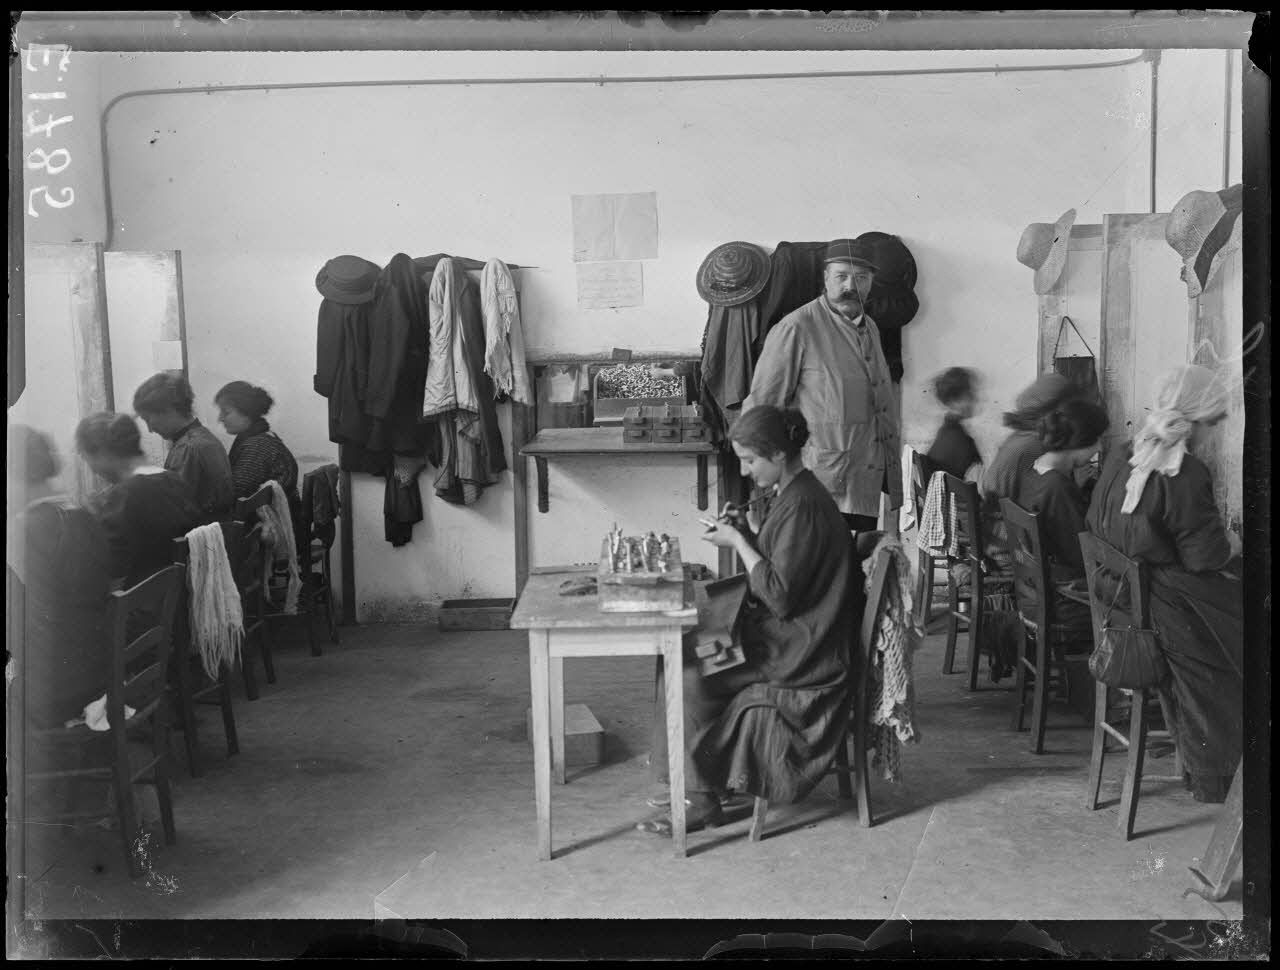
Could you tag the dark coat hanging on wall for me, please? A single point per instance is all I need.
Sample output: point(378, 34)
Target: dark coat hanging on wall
point(342, 368)
point(397, 360)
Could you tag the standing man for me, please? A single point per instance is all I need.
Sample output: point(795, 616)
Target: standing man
point(164, 402)
point(825, 359)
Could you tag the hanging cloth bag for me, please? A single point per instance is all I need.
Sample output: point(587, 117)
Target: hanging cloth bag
point(1081, 369)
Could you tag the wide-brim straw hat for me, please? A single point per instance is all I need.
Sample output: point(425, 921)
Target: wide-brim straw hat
point(348, 279)
point(1043, 248)
point(733, 273)
point(1198, 230)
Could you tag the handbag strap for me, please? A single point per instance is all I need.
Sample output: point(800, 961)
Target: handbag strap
point(1062, 329)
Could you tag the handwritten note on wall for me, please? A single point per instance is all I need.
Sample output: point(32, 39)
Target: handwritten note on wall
point(620, 226)
point(602, 286)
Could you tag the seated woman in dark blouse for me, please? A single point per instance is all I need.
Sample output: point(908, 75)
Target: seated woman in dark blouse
point(1069, 437)
point(772, 726)
point(144, 508)
point(257, 454)
point(59, 556)
point(953, 450)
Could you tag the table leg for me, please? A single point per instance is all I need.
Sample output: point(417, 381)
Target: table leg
point(672, 663)
point(557, 719)
point(539, 693)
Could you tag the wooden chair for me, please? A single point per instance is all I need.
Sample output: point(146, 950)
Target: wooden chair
point(186, 670)
point(859, 721)
point(926, 564)
point(1035, 596)
point(249, 563)
point(1106, 566)
point(137, 679)
point(317, 543)
point(972, 544)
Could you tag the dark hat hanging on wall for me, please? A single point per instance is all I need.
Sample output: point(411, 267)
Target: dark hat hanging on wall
point(348, 279)
point(895, 266)
point(1199, 228)
point(1043, 248)
point(733, 273)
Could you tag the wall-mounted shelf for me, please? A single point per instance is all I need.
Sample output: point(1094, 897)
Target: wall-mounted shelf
point(588, 442)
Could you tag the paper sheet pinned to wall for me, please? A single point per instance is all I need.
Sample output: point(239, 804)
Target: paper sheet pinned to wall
point(603, 286)
point(620, 226)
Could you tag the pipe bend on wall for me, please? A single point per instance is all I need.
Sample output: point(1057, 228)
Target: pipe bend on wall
point(1146, 56)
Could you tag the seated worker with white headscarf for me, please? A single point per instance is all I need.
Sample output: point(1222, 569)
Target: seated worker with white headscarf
point(1154, 502)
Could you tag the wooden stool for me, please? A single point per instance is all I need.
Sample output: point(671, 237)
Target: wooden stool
point(857, 735)
point(1104, 564)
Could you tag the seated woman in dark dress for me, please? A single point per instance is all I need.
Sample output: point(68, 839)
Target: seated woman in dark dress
point(257, 454)
point(772, 726)
point(1069, 437)
point(144, 508)
point(953, 450)
point(1154, 502)
point(59, 556)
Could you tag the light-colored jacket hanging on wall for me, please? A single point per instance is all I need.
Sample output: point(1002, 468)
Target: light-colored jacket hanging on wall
point(449, 383)
point(504, 358)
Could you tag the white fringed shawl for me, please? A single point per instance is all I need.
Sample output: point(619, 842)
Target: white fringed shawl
point(277, 536)
point(217, 623)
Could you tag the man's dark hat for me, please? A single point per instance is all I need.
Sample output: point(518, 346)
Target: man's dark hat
point(348, 279)
point(733, 273)
point(851, 251)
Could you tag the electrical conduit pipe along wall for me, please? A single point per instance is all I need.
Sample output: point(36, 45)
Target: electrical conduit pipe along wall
point(1151, 57)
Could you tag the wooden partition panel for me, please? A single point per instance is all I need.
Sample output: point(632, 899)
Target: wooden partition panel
point(68, 353)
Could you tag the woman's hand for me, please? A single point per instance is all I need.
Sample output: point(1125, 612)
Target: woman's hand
point(719, 534)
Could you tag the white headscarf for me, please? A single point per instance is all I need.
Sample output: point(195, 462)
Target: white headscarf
point(1184, 395)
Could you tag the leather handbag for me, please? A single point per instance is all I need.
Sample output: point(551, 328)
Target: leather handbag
point(1128, 657)
point(1080, 369)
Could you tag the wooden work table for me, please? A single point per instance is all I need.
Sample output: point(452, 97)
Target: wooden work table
point(573, 626)
point(589, 442)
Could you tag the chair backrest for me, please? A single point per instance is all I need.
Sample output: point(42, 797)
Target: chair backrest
point(322, 479)
point(968, 518)
point(919, 481)
point(1118, 591)
point(877, 598)
point(233, 542)
point(1024, 540)
point(247, 507)
point(140, 658)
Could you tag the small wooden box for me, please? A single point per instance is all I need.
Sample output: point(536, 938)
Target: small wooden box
point(583, 735)
point(642, 592)
point(491, 614)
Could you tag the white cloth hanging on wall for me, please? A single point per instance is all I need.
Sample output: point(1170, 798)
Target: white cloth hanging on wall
point(504, 358)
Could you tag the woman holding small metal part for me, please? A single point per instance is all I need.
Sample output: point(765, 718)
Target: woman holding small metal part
point(771, 726)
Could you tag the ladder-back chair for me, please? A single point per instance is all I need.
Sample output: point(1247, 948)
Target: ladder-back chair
point(316, 543)
point(250, 564)
point(186, 670)
point(926, 564)
point(968, 524)
point(1110, 575)
point(1035, 595)
point(138, 671)
point(859, 718)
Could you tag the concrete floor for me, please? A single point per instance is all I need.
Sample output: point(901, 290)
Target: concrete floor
point(392, 777)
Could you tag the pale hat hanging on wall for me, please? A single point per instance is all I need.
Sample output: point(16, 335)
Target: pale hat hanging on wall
point(1199, 229)
point(733, 273)
point(1043, 248)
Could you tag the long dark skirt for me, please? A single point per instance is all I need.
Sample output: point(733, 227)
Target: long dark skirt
point(748, 736)
point(1198, 617)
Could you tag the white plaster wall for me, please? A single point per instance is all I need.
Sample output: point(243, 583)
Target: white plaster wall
point(258, 189)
